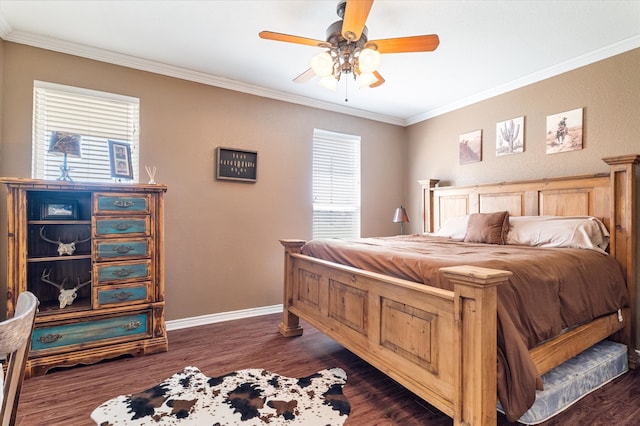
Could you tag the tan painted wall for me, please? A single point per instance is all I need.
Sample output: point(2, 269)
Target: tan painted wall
point(222, 249)
point(609, 92)
point(222, 245)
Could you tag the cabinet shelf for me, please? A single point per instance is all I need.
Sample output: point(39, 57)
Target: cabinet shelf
point(59, 222)
point(50, 308)
point(58, 258)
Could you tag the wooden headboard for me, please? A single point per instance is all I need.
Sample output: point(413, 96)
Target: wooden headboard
point(610, 197)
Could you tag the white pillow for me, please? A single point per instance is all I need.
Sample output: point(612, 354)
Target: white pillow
point(558, 231)
point(454, 228)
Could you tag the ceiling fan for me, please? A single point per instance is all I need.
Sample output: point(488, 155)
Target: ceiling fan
point(349, 49)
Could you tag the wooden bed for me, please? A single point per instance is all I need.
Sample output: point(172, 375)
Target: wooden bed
point(441, 344)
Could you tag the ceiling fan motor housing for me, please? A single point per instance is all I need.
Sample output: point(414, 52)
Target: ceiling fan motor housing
point(335, 37)
point(340, 8)
point(345, 51)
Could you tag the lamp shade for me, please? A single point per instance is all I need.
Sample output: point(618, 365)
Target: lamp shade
point(322, 64)
point(400, 216)
point(328, 82)
point(369, 60)
point(365, 80)
point(65, 143)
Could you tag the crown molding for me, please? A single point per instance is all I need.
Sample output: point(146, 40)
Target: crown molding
point(5, 28)
point(115, 58)
point(572, 64)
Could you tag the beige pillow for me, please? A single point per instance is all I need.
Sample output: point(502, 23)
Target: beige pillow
point(489, 228)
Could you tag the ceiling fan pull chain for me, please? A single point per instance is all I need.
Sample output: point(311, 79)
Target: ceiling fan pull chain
point(346, 90)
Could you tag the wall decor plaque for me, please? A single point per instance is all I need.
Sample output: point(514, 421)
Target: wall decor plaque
point(236, 164)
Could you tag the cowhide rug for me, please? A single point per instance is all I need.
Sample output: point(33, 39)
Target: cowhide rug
point(244, 397)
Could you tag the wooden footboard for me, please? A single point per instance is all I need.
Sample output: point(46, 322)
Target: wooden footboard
point(442, 344)
point(439, 344)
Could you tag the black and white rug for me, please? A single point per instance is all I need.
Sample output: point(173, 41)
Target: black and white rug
point(243, 398)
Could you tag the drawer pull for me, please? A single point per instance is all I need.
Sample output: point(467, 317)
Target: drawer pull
point(132, 325)
point(123, 204)
point(50, 338)
point(122, 249)
point(121, 273)
point(122, 226)
point(122, 295)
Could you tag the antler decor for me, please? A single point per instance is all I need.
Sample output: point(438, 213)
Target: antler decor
point(63, 248)
point(66, 296)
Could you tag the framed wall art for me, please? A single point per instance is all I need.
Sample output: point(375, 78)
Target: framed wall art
point(236, 164)
point(564, 131)
point(120, 158)
point(510, 136)
point(470, 147)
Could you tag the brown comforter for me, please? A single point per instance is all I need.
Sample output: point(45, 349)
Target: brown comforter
point(551, 289)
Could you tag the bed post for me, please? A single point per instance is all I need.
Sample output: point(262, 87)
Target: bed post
point(475, 343)
point(428, 224)
point(290, 325)
point(624, 237)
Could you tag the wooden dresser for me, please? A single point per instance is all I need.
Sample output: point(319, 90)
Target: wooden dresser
point(93, 255)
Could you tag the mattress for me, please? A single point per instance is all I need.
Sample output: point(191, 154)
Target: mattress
point(576, 378)
point(545, 295)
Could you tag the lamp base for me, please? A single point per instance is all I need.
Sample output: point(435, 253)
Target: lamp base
point(64, 170)
point(64, 173)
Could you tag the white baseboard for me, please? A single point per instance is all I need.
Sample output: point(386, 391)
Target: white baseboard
point(221, 317)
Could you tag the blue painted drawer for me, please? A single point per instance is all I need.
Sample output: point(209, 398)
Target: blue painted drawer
point(121, 249)
point(126, 327)
point(107, 296)
point(104, 273)
point(115, 226)
point(110, 203)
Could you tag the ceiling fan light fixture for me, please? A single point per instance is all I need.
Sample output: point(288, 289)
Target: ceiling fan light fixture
point(322, 64)
point(328, 82)
point(369, 60)
point(365, 79)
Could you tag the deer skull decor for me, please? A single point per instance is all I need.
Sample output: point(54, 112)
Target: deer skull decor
point(66, 296)
point(63, 248)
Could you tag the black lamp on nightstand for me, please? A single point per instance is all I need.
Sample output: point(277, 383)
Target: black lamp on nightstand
point(400, 216)
point(67, 144)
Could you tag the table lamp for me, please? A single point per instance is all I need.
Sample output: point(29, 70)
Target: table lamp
point(400, 216)
point(67, 144)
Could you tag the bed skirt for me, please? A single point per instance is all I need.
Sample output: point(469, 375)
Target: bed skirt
point(576, 378)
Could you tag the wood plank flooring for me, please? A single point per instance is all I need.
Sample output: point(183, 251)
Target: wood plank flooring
point(67, 396)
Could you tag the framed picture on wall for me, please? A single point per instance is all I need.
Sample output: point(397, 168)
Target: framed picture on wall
point(120, 158)
point(470, 147)
point(510, 136)
point(564, 131)
point(236, 164)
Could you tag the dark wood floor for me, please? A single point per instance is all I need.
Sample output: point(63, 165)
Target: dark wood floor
point(67, 396)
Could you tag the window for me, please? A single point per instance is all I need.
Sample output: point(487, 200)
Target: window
point(336, 185)
point(96, 116)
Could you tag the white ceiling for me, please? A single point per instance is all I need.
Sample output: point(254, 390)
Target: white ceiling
point(486, 47)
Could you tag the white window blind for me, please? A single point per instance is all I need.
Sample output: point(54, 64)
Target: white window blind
point(336, 185)
point(97, 116)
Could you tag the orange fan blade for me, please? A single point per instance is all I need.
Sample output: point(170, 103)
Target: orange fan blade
point(305, 76)
point(379, 81)
point(423, 43)
point(355, 16)
point(269, 35)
